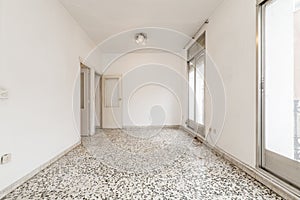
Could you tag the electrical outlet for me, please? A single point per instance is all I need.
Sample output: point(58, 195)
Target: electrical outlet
point(6, 158)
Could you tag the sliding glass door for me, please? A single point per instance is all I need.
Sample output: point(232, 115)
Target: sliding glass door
point(196, 68)
point(280, 89)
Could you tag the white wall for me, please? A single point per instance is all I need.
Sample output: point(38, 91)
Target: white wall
point(40, 49)
point(153, 88)
point(231, 46)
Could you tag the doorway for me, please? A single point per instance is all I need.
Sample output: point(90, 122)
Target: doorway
point(196, 84)
point(85, 100)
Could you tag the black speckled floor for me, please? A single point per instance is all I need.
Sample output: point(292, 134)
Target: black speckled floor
point(149, 164)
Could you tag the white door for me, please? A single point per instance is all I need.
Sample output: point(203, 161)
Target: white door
point(98, 100)
point(85, 101)
point(112, 101)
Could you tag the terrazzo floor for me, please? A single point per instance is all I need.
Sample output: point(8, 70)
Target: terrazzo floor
point(142, 164)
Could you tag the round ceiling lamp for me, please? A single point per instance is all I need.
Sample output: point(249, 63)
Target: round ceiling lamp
point(141, 38)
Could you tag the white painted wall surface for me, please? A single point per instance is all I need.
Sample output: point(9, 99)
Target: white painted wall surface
point(153, 88)
point(40, 49)
point(231, 44)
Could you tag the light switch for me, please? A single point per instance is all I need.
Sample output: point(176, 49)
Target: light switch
point(6, 158)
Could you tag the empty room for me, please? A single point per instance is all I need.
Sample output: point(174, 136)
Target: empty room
point(160, 99)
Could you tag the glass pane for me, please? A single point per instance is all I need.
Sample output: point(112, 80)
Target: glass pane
point(297, 79)
point(191, 91)
point(200, 90)
point(282, 78)
point(202, 41)
point(297, 5)
point(111, 92)
point(196, 47)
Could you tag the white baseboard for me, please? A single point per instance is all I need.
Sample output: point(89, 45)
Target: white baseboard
point(260, 175)
point(22, 180)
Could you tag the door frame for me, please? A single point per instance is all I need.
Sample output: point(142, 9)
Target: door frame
point(260, 104)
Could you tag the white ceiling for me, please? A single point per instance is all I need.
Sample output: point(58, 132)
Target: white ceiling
point(104, 18)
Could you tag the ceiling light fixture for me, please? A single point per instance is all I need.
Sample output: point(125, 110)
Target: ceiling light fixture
point(140, 38)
